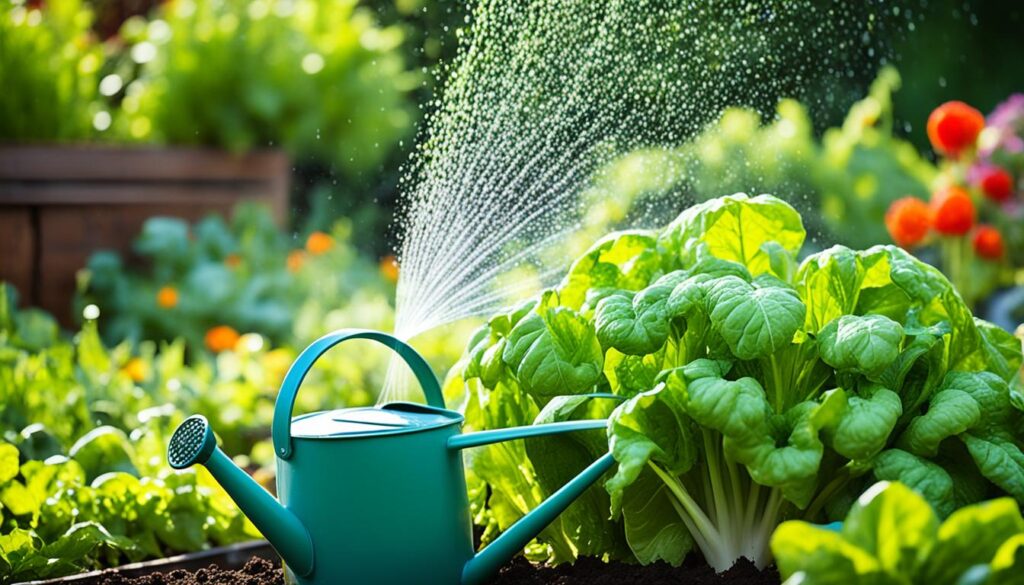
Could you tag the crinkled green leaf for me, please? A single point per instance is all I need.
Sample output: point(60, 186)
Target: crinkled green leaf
point(634, 324)
point(554, 352)
point(950, 412)
point(863, 344)
point(865, 424)
point(926, 478)
point(754, 321)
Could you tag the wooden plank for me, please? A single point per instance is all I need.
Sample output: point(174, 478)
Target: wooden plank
point(120, 164)
point(138, 193)
point(17, 250)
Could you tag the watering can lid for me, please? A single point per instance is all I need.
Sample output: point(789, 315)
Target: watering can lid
point(390, 419)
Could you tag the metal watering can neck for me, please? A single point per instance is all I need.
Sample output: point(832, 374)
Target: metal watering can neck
point(193, 442)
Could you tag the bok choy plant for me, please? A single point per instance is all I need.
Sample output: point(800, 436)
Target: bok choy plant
point(752, 388)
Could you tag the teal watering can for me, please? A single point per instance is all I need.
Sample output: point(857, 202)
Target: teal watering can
point(375, 495)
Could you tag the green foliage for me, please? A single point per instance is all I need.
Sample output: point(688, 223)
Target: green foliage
point(247, 274)
point(49, 66)
point(318, 77)
point(891, 535)
point(755, 389)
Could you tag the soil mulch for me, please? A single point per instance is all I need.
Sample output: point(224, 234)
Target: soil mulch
point(586, 571)
point(256, 571)
point(591, 571)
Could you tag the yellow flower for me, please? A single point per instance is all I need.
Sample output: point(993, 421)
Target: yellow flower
point(319, 243)
point(167, 297)
point(221, 338)
point(389, 268)
point(136, 369)
point(295, 260)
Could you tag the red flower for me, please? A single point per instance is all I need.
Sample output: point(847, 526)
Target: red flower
point(908, 221)
point(997, 184)
point(952, 211)
point(953, 127)
point(988, 242)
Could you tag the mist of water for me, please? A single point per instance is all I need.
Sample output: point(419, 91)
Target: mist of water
point(545, 93)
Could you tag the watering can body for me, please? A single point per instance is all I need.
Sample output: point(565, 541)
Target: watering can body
point(375, 495)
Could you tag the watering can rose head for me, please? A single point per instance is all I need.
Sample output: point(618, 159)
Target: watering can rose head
point(347, 477)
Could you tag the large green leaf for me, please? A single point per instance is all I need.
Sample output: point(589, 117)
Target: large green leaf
point(634, 324)
point(554, 352)
point(865, 424)
point(894, 525)
point(651, 426)
point(971, 536)
point(755, 321)
point(866, 345)
point(736, 228)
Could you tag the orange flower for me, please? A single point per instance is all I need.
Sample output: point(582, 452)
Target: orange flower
point(232, 260)
point(167, 297)
point(319, 243)
point(954, 127)
point(908, 221)
point(136, 369)
point(221, 338)
point(988, 242)
point(952, 211)
point(389, 268)
point(295, 260)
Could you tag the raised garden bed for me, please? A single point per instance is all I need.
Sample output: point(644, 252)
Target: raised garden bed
point(60, 204)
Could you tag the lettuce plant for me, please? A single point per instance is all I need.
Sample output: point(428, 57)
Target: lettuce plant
point(754, 388)
point(891, 535)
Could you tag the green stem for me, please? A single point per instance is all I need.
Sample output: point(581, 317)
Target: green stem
point(704, 528)
point(825, 494)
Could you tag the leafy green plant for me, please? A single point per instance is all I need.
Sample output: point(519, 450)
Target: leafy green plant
point(756, 388)
point(318, 77)
point(49, 64)
point(891, 535)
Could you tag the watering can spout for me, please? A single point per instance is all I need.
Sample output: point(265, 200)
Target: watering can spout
point(193, 443)
point(487, 562)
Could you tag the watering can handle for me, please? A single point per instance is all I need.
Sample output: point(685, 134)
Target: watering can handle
point(282, 426)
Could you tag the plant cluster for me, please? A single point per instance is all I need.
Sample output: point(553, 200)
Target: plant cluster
point(208, 282)
point(319, 78)
point(891, 535)
point(979, 182)
point(755, 388)
point(49, 69)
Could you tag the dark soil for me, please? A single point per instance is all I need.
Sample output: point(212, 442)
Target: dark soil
point(255, 572)
point(586, 571)
point(592, 571)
